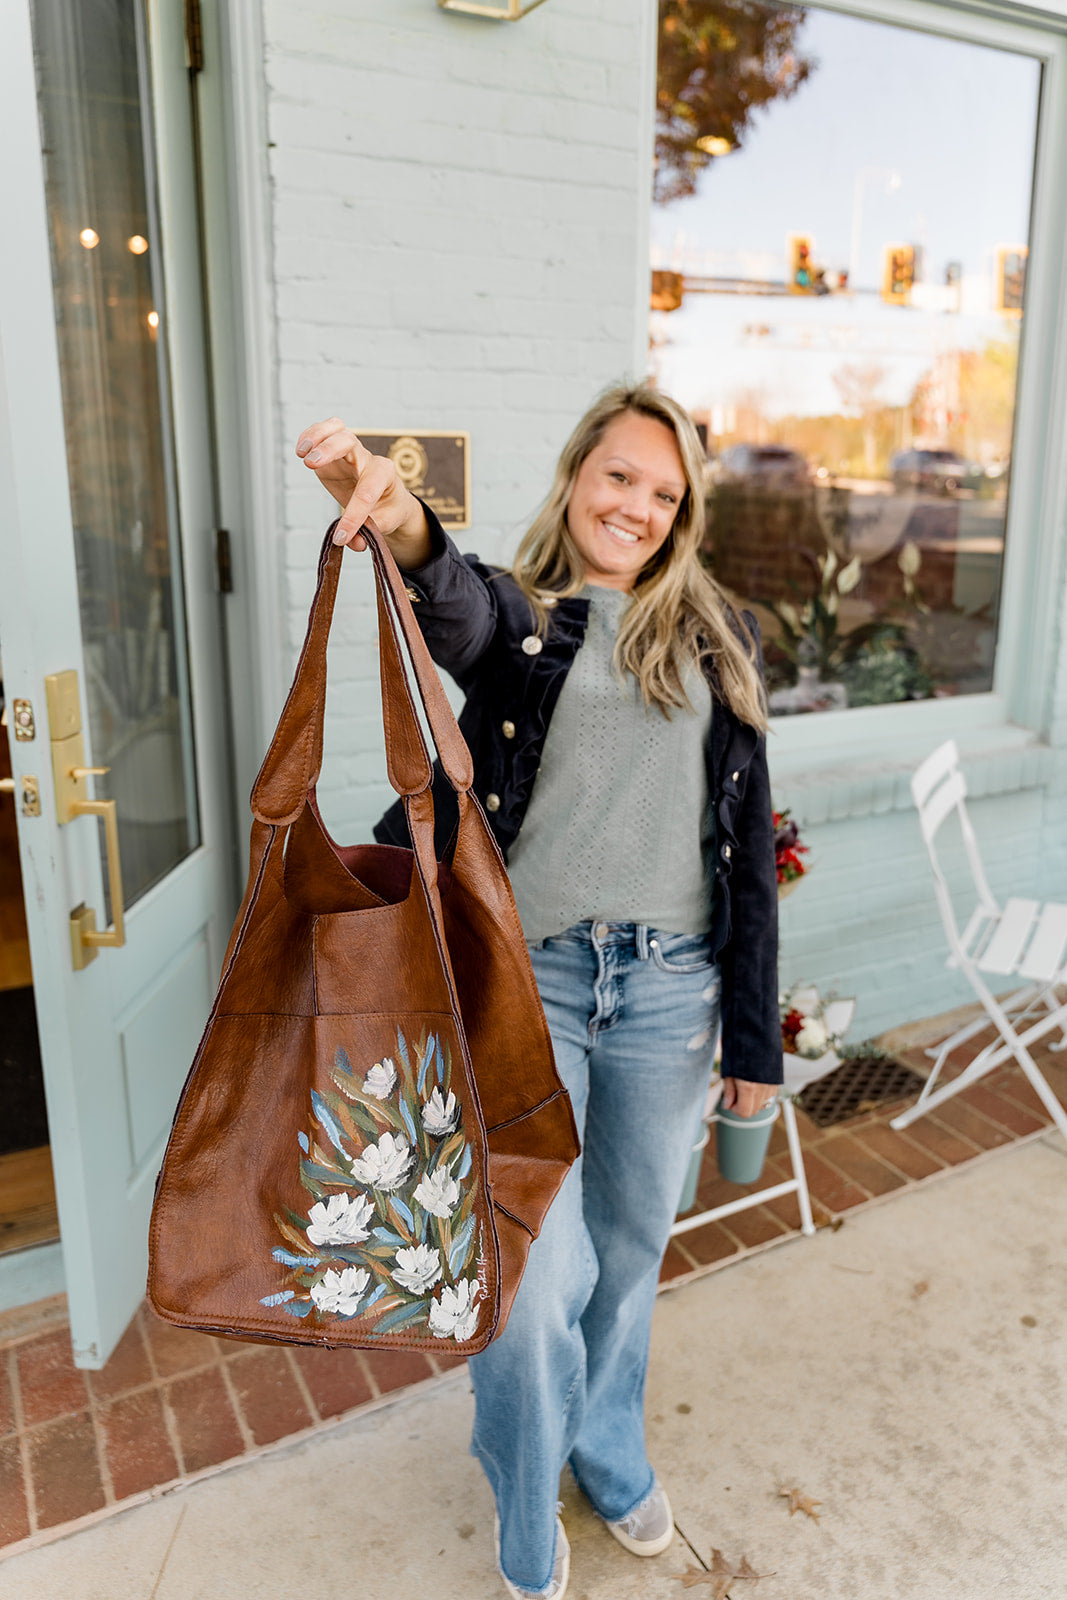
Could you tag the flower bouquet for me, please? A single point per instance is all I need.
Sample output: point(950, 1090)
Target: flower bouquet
point(812, 1031)
point(391, 1235)
point(788, 852)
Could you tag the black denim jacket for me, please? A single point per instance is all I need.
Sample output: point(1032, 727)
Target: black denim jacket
point(478, 626)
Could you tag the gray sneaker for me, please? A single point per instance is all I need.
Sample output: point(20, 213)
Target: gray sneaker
point(649, 1528)
point(561, 1569)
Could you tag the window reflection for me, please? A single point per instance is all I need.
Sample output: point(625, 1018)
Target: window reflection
point(840, 234)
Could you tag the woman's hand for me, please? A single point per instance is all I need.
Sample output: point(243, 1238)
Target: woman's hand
point(368, 489)
point(746, 1098)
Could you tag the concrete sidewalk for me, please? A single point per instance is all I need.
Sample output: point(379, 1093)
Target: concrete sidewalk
point(907, 1371)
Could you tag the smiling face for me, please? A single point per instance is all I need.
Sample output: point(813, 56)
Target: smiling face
point(625, 498)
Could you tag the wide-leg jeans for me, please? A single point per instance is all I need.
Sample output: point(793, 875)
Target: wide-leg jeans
point(634, 1016)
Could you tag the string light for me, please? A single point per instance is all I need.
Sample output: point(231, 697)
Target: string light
point(137, 245)
point(89, 238)
point(153, 319)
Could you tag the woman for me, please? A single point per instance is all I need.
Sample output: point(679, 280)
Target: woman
point(615, 714)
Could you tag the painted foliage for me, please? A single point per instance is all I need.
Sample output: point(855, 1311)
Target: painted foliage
point(390, 1234)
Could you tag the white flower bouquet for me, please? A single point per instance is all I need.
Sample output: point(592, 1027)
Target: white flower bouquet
point(812, 1031)
point(390, 1236)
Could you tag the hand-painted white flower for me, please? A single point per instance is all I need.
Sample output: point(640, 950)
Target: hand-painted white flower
point(341, 1291)
point(417, 1269)
point(383, 1165)
point(381, 1079)
point(455, 1315)
point(812, 1037)
point(342, 1220)
point(438, 1192)
point(440, 1116)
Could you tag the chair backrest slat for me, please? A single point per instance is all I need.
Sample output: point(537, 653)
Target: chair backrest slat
point(934, 810)
point(1048, 948)
point(1005, 948)
point(926, 777)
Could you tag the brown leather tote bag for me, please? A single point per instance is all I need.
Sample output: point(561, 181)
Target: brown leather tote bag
point(373, 1128)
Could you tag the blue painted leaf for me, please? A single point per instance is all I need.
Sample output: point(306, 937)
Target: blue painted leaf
point(377, 1295)
point(288, 1259)
point(440, 1065)
point(427, 1057)
point(409, 1125)
point(342, 1063)
point(298, 1308)
point(402, 1049)
point(464, 1163)
point(326, 1121)
point(352, 1253)
point(458, 1254)
point(387, 1236)
point(400, 1317)
point(404, 1210)
point(302, 1141)
point(278, 1299)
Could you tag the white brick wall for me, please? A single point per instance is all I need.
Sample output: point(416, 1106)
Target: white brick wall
point(460, 231)
point(459, 221)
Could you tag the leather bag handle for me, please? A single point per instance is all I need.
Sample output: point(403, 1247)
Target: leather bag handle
point(294, 760)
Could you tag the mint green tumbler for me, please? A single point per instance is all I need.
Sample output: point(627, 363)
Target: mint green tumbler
point(741, 1142)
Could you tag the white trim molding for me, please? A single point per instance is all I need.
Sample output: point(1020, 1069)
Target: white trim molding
point(240, 290)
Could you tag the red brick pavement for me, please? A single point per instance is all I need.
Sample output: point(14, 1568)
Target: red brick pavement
point(170, 1404)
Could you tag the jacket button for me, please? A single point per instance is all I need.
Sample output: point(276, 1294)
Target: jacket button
point(726, 852)
point(532, 645)
point(507, 729)
point(492, 802)
point(735, 776)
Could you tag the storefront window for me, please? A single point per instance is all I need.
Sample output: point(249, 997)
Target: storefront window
point(840, 226)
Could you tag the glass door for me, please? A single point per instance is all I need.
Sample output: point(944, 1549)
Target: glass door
point(107, 275)
point(109, 618)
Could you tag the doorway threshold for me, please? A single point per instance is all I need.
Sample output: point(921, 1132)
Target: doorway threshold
point(27, 1276)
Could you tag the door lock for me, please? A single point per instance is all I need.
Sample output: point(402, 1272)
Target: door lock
point(31, 793)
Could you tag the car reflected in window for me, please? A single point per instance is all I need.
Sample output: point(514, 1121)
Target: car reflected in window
point(934, 471)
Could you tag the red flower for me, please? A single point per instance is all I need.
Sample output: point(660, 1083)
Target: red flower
point(792, 1023)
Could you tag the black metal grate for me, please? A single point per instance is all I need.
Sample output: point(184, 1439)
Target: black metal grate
point(856, 1086)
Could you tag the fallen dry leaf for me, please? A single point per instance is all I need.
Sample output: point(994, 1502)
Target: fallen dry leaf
point(720, 1575)
point(694, 1575)
point(798, 1501)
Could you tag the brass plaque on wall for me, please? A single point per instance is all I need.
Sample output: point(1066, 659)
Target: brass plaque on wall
point(434, 465)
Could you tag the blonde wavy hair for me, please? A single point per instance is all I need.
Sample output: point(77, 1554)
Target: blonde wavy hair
point(678, 614)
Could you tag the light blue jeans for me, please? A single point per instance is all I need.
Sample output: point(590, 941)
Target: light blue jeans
point(634, 1015)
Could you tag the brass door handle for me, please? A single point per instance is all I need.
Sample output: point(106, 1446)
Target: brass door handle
point(112, 938)
point(69, 773)
point(7, 785)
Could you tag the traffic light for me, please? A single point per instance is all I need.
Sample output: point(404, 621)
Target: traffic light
point(898, 274)
point(1010, 283)
point(801, 271)
point(667, 290)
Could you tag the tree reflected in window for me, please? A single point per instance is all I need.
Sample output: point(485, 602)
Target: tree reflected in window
point(840, 243)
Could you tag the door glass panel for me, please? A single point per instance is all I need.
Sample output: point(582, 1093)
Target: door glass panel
point(96, 134)
point(840, 224)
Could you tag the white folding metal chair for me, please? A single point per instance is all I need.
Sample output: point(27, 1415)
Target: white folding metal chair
point(1024, 939)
